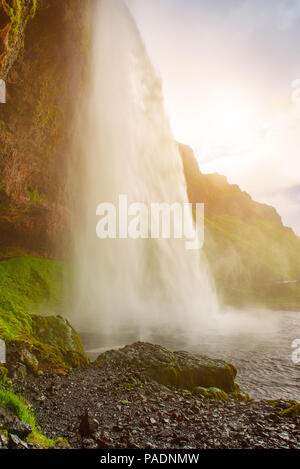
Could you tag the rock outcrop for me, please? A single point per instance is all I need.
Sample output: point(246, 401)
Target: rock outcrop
point(44, 64)
point(179, 369)
point(54, 346)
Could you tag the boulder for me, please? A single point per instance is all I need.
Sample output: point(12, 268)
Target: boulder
point(57, 332)
point(53, 346)
point(182, 370)
point(31, 361)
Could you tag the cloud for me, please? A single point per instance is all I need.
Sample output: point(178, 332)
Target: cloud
point(293, 193)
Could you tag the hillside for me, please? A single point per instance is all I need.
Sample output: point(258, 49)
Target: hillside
point(254, 258)
point(250, 251)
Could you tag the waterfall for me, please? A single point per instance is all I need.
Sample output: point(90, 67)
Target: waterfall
point(127, 147)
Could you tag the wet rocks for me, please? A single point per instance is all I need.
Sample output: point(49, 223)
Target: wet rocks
point(16, 443)
point(21, 429)
point(179, 369)
point(111, 404)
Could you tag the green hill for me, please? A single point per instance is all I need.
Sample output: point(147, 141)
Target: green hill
point(254, 258)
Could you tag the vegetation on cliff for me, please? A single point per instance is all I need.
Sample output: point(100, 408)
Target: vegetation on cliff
point(45, 82)
point(254, 258)
point(18, 13)
point(31, 291)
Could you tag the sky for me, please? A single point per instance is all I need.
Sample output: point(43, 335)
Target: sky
point(231, 79)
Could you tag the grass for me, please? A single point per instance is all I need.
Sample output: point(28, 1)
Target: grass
point(20, 408)
point(249, 260)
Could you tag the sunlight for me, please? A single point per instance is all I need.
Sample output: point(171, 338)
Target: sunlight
point(231, 121)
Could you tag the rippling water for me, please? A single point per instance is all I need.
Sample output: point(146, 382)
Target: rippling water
point(261, 354)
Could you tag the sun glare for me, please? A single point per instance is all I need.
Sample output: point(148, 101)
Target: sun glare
point(221, 123)
point(231, 122)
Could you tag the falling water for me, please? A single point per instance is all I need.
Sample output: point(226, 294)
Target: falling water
point(127, 147)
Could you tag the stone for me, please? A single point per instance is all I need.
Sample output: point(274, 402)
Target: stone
point(211, 393)
point(21, 371)
point(20, 429)
point(16, 443)
point(182, 370)
point(88, 425)
point(57, 332)
point(31, 361)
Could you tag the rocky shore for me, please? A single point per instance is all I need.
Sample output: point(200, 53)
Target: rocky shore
point(144, 396)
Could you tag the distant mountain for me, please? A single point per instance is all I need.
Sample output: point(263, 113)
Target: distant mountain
point(254, 258)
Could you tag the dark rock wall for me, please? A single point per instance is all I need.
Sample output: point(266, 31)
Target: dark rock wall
point(45, 82)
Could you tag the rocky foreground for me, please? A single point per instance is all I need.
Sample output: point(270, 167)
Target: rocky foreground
point(144, 396)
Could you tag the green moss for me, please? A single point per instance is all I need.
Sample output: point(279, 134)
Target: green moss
point(3, 373)
point(182, 370)
point(19, 406)
point(289, 408)
point(30, 285)
point(34, 195)
point(293, 410)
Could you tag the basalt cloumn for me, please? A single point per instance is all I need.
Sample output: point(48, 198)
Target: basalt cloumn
point(114, 335)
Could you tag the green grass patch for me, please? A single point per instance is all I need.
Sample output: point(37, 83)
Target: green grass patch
point(249, 260)
point(28, 285)
point(19, 407)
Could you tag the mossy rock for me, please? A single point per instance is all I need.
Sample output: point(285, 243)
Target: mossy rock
point(289, 408)
point(239, 396)
point(31, 288)
point(292, 411)
point(57, 332)
point(178, 369)
point(211, 393)
point(31, 361)
point(3, 373)
point(54, 345)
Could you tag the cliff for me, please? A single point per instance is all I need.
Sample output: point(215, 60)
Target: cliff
point(45, 71)
point(254, 258)
point(44, 59)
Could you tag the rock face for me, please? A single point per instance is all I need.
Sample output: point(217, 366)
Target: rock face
point(58, 332)
point(12, 34)
point(179, 369)
point(220, 197)
point(43, 59)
